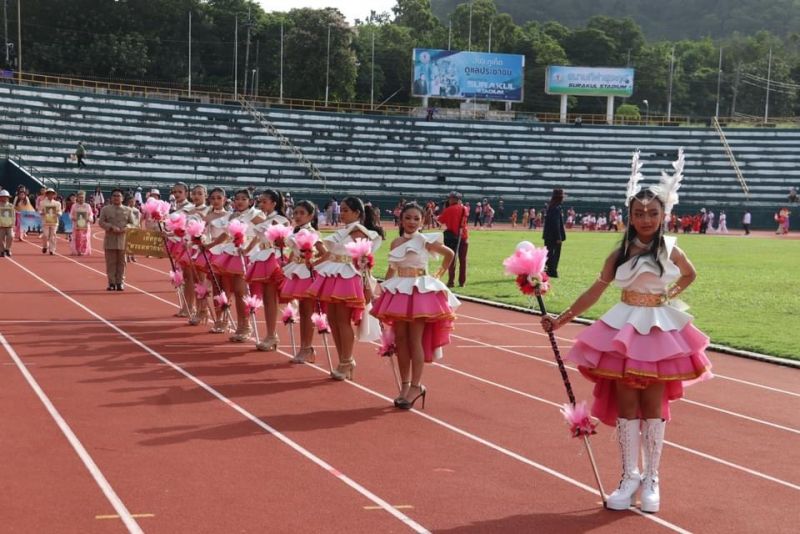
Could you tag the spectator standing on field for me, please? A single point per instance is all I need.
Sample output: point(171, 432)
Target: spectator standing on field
point(746, 219)
point(455, 217)
point(553, 232)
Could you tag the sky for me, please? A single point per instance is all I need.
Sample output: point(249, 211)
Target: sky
point(351, 9)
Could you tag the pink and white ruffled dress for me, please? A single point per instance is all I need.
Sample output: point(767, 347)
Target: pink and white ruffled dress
point(265, 261)
point(412, 294)
point(642, 344)
point(337, 280)
point(226, 259)
point(298, 277)
point(175, 245)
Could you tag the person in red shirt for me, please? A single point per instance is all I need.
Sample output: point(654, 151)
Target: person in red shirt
point(454, 217)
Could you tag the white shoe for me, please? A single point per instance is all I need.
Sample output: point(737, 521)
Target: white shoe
point(628, 438)
point(652, 444)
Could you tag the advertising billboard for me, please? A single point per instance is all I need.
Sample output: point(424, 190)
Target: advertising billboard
point(588, 81)
point(463, 75)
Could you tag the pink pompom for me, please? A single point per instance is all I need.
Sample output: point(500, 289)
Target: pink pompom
point(289, 315)
point(306, 240)
point(176, 277)
point(527, 260)
point(252, 303)
point(155, 209)
point(176, 223)
point(277, 234)
point(221, 300)
point(237, 229)
point(359, 248)
point(579, 419)
point(320, 321)
point(388, 347)
point(195, 228)
point(200, 291)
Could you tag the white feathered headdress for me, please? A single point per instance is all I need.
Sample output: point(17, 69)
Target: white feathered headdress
point(636, 176)
point(667, 188)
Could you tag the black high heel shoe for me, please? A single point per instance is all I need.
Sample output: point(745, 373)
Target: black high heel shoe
point(406, 404)
point(400, 397)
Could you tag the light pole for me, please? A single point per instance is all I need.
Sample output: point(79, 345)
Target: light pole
point(469, 39)
point(328, 67)
point(190, 54)
point(647, 111)
point(5, 29)
point(372, 74)
point(280, 99)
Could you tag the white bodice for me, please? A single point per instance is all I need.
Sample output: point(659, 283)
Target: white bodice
point(414, 254)
point(642, 275)
point(263, 250)
point(336, 246)
point(300, 270)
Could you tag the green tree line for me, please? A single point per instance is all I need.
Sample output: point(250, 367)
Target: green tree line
point(148, 40)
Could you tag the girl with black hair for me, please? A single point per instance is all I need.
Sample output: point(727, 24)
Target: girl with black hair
point(640, 353)
point(228, 263)
point(178, 251)
point(216, 223)
point(264, 273)
point(418, 306)
point(340, 285)
point(298, 279)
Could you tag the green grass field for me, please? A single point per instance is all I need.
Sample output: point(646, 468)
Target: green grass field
point(747, 292)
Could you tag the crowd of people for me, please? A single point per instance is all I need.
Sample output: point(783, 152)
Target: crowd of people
point(239, 256)
point(232, 256)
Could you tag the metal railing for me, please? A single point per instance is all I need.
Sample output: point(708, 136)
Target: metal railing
point(313, 171)
point(731, 157)
point(164, 91)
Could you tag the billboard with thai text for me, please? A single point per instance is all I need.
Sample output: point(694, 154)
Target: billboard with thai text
point(588, 81)
point(467, 75)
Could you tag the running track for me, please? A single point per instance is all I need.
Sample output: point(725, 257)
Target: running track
point(176, 430)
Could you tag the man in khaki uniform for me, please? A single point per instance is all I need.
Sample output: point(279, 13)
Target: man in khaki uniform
point(50, 210)
point(7, 218)
point(114, 219)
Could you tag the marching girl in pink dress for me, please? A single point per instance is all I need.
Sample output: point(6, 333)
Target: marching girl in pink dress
point(177, 250)
point(216, 225)
point(228, 263)
point(298, 279)
point(644, 349)
point(189, 260)
point(418, 306)
point(264, 273)
point(340, 286)
point(82, 217)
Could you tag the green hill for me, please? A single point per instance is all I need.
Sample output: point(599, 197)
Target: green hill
point(659, 19)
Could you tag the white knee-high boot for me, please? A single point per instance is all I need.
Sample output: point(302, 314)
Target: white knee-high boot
point(652, 444)
point(628, 439)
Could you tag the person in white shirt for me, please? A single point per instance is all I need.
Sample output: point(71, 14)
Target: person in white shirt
point(746, 222)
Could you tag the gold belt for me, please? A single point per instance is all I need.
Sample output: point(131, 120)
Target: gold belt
point(299, 259)
point(650, 300)
point(340, 258)
point(411, 272)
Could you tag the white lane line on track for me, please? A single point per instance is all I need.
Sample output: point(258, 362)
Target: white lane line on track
point(686, 449)
point(127, 285)
point(499, 448)
point(80, 450)
point(71, 321)
point(724, 377)
point(416, 527)
point(699, 404)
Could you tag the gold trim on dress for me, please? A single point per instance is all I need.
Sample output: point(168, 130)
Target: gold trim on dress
point(649, 300)
point(411, 272)
point(339, 258)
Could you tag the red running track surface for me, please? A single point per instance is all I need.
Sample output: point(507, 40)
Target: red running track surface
point(195, 434)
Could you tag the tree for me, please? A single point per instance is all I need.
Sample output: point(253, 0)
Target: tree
point(306, 55)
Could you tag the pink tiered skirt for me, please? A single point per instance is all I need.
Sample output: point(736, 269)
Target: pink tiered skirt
point(266, 272)
point(227, 264)
point(432, 307)
point(178, 252)
point(606, 355)
point(340, 290)
point(295, 287)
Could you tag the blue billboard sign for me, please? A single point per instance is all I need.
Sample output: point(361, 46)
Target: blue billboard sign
point(465, 75)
